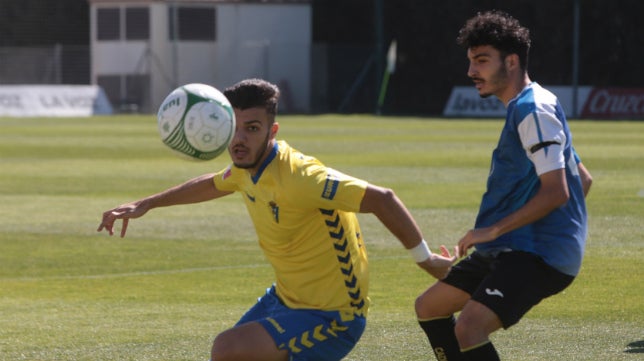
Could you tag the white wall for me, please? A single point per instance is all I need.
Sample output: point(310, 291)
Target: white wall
point(269, 41)
point(272, 42)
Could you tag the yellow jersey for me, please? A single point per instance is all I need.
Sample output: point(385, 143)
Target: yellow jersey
point(304, 216)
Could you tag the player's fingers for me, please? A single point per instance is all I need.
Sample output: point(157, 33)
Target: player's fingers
point(106, 225)
point(448, 255)
point(107, 222)
point(124, 229)
point(462, 249)
point(445, 252)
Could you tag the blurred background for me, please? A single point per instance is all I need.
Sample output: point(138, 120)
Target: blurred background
point(327, 55)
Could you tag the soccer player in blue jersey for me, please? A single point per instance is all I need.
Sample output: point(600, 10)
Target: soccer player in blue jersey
point(304, 215)
point(530, 231)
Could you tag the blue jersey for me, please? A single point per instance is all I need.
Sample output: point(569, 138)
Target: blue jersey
point(535, 140)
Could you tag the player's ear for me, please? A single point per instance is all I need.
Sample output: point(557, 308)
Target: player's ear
point(274, 128)
point(511, 61)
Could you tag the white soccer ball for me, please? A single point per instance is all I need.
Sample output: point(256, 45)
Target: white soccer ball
point(196, 120)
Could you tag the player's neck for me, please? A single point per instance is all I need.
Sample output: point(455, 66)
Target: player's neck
point(260, 163)
point(515, 86)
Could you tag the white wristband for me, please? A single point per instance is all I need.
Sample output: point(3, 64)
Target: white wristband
point(421, 252)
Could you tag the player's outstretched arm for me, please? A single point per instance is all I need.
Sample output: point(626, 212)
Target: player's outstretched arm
point(393, 214)
point(196, 190)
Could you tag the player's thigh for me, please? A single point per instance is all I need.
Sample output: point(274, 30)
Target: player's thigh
point(449, 295)
point(518, 282)
point(249, 341)
point(440, 300)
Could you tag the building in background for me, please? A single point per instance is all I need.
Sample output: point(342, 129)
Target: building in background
point(142, 49)
point(49, 42)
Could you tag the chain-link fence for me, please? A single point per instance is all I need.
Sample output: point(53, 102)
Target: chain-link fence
point(55, 64)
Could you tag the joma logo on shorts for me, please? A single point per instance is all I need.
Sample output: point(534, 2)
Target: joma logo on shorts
point(440, 354)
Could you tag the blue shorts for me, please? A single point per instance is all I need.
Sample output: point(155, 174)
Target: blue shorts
point(311, 335)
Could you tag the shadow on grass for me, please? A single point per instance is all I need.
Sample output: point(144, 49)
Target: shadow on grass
point(635, 347)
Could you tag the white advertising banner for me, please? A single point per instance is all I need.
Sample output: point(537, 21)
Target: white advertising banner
point(465, 101)
point(53, 101)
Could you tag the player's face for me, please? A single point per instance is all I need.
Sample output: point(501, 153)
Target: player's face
point(487, 70)
point(254, 135)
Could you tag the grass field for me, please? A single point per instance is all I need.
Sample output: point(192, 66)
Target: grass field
point(184, 274)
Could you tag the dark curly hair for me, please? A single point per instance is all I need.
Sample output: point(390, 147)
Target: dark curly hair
point(499, 30)
point(251, 93)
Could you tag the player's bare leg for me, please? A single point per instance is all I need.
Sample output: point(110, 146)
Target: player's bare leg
point(440, 300)
point(247, 342)
point(473, 328)
point(435, 310)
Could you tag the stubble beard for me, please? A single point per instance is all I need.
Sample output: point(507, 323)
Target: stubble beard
point(258, 156)
point(497, 81)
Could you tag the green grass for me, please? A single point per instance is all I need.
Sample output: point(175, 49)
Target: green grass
point(184, 274)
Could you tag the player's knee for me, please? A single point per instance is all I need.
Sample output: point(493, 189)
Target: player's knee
point(467, 334)
point(469, 330)
point(461, 331)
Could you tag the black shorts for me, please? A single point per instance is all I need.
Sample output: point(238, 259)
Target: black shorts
point(510, 284)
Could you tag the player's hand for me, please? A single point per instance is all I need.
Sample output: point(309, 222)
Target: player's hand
point(472, 237)
point(124, 212)
point(438, 265)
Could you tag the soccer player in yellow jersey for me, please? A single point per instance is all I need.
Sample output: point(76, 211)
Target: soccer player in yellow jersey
point(305, 218)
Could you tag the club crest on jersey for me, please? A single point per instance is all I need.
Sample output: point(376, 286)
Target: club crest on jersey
point(275, 209)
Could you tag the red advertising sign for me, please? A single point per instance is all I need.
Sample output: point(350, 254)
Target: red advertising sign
point(612, 103)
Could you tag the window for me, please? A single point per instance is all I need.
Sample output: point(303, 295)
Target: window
point(194, 23)
point(137, 23)
point(108, 24)
point(135, 20)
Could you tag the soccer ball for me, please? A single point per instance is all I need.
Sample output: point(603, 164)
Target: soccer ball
point(196, 120)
